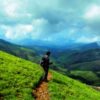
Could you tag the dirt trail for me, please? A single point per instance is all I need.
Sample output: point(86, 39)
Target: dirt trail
point(41, 92)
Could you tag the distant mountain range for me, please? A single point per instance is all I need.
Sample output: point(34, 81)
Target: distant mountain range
point(76, 53)
point(74, 60)
point(59, 46)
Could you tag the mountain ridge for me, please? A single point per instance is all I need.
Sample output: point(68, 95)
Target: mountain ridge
point(18, 50)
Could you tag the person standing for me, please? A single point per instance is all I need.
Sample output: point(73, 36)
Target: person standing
point(45, 62)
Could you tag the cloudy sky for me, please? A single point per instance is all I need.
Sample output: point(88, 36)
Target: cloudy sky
point(50, 20)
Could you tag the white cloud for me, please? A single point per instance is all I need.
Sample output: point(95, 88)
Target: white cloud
point(11, 8)
point(40, 27)
point(20, 31)
point(84, 39)
point(92, 12)
point(24, 28)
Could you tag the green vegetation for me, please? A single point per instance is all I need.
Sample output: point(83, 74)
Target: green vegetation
point(64, 62)
point(86, 72)
point(86, 66)
point(64, 88)
point(18, 77)
point(18, 51)
point(83, 65)
point(88, 77)
point(75, 57)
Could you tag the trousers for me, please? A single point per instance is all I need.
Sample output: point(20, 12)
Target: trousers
point(46, 69)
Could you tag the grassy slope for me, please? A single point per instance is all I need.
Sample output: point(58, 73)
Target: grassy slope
point(88, 77)
point(64, 88)
point(18, 50)
point(17, 77)
point(88, 71)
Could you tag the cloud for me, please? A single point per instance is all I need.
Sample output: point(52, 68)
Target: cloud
point(49, 20)
point(39, 28)
point(84, 39)
point(93, 12)
point(92, 19)
point(16, 32)
point(10, 8)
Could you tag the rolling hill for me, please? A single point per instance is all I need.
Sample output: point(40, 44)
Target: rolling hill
point(18, 50)
point(70, 57)
point(87, 72)
point(74, 63)
point(80, 64)
point(18, 77)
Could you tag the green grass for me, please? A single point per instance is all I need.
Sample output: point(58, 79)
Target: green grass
point(18, 77)
point(64, 88)
point(89, 76)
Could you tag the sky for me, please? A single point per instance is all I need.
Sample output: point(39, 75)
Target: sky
point(54, 21)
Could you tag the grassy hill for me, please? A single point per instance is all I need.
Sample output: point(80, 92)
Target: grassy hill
point(17, 77)
point(85, 61)
point(67, 58)
point(18, 50)
point(82, 65)
point(65, 88)
point(86, 66)
point(87, 72)
point(89, 77)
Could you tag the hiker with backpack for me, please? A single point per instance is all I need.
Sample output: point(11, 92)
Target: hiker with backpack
point(45, 62)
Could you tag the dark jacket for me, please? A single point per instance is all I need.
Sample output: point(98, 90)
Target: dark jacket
point(45, 62)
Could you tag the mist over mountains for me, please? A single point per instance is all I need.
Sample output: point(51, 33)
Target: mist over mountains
point(44, 46)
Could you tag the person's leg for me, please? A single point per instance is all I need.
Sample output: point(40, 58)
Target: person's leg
point(46, 73)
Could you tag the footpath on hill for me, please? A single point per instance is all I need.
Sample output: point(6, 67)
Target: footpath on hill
point(41, 92)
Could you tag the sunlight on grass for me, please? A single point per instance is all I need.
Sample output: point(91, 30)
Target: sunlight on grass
point(18, 77)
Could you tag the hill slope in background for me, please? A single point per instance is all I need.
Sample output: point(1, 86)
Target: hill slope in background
point(17, 50)
point(19, 76)
point(83, 65)
point(67, 58)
